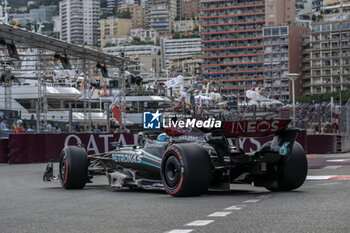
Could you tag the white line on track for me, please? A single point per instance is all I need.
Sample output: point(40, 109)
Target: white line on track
point(252, 201)
point(220, 214)
point(318, 177)
point(180, 231)
point(332, 167)
point(199, 223)
point(235, 207)
point(338, 160)
point(329, 177)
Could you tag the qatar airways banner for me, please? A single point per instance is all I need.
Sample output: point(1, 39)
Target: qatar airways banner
point(38, 148)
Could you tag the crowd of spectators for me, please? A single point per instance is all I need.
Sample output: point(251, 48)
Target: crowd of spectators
point(26, 126)
point(316, 117)
point(23, 126)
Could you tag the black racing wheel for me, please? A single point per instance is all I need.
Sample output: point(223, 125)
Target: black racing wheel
point(291, 170)
point(186, 170)
point(73, 169)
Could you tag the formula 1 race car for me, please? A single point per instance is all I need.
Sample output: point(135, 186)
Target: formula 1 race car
point(189, 161)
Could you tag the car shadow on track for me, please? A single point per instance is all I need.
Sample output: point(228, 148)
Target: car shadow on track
point(88, 187)
point(211, 193)
point(235, 192)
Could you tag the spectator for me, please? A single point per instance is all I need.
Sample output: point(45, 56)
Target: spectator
point(98, 129)
point(58, 130)
point(48, 127)
point(30, 129)
point(3, 125)
point(18, 127)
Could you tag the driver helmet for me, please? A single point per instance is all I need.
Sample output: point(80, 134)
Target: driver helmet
point(19, 122)
point(163, 137)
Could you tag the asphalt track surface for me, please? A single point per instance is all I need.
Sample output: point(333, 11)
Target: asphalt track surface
point(322, 204)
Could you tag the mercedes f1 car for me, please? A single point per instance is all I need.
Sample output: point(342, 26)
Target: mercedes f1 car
point(188, 162)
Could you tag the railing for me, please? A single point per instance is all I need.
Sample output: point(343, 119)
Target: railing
point(209, 6)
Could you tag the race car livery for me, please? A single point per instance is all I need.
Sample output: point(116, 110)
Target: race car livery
point(189, 161)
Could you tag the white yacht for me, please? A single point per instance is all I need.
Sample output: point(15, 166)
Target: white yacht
point(25, 99)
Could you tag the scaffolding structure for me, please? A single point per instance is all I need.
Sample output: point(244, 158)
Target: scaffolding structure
point(122, 102)
point(8, 89)
point(42, 107)
point(84, 59)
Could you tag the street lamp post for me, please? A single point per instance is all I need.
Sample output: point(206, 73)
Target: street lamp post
point(293, 77)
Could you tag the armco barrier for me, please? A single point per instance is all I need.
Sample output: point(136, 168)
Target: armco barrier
point(38, 148)
point(4, 150)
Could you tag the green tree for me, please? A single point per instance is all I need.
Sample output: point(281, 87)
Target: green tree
point(344, 95)
point(110, 45)
point(124, 14)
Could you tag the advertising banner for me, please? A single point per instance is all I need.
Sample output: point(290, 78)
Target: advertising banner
point(3, 150)
point(38, 148)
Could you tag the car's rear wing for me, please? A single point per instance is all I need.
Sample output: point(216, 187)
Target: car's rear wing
point(253, 128)
point(283, 137)
point(230, 129)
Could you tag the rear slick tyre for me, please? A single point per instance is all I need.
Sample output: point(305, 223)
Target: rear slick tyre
point(186, 170)
point(73, 167)
point(291, 170)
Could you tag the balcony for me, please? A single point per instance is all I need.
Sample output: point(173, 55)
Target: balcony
point(225, 29)
point(233, 13)
point(230, 71)
point(215, 6)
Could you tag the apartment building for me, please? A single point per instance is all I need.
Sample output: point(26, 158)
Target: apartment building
point(282, 56)
point(317, 6)
point(233, 41)
point(148, 35)
point(147, 57)
point(79, 21)
point(190, 9)
point(43, 14)
point(137, 13)
point(160, 15)
point(114, 27)
point(132, 50)
point(114, 5)
point(304, 12)
point(328, 58)
point(186, 65)
point(184, 25)
point(178, 47)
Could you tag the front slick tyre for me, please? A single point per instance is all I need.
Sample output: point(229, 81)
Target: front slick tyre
point(291, 170)
point(186, 170)
point(73, 167)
